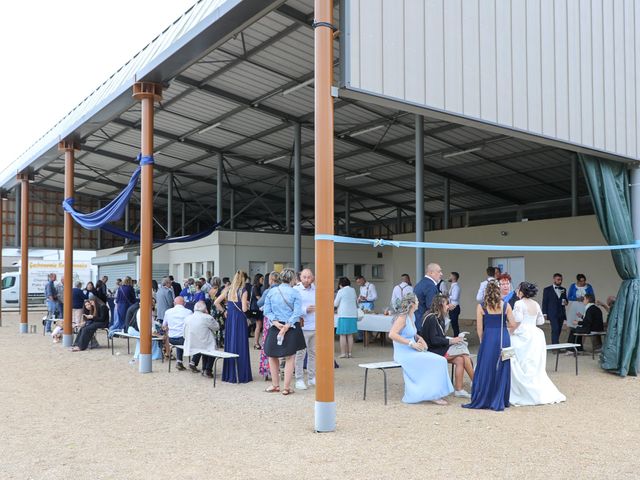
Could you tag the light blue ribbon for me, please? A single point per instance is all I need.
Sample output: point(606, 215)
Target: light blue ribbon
point(379, 242)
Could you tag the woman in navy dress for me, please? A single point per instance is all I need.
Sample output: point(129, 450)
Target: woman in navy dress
point(125, 297)
point(236, 338)
point(492, 378)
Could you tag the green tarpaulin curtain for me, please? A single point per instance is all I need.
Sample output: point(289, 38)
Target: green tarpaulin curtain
point(608, 184)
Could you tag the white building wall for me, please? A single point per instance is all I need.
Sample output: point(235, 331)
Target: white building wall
point(564, 70)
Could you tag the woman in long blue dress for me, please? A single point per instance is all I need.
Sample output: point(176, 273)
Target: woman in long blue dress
point(236, 338)
point(492, 378)
point(425, 373)
point(125, 297)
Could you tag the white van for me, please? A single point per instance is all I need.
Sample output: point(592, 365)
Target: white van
point(11, 291)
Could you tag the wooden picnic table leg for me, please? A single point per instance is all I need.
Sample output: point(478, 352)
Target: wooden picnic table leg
point(575, 353)
point(365, 341)
point(171, 348)
point(557, 358)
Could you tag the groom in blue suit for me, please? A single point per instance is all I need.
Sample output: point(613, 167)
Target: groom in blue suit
point(554, 300)
point(426, 289)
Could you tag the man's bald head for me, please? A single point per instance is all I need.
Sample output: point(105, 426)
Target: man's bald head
point(434, 271)
point(306, 277)
point(178, 300)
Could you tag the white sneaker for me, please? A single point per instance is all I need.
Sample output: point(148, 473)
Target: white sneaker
point(300, 385)
point(312, 381)
point(461, 394)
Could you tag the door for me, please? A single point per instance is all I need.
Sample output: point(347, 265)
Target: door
point(514, 266)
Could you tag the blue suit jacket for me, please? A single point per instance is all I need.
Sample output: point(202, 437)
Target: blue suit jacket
point(425, 290)
point(552, 305)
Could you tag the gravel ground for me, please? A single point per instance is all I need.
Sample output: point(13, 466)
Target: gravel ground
point(91, 415)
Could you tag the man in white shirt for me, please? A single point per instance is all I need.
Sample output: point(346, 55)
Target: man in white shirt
point(307, 291)
point(400, 290)
point(491, 272)
point(173, 324)
point(454, 302)
point(368, 294)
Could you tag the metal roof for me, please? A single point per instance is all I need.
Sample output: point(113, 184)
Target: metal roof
point(233, 63)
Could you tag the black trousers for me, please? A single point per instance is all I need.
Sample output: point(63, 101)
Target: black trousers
point(556, 328)
point(179, 351)
point(453, 316)
point(86, 333)
point(207, 362)
point(573, 339)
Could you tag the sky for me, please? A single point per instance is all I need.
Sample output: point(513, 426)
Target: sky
point(54, 54)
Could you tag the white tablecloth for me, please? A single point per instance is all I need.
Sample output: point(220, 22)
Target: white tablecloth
point(373, 323)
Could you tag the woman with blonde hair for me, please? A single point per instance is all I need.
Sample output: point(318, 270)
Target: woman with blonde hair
point(236, 339)
point(425, 373)
point(492, 381)
point(283, 308)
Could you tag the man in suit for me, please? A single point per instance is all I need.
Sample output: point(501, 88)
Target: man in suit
point(554, 301)
point(591, 320)
point(426, 289)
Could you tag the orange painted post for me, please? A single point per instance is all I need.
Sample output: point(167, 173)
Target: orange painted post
point(147, 94)
point(325, 406)
point(24, 249)
point(68, 147)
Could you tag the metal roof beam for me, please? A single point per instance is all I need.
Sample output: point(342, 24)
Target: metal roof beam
point(285, 117)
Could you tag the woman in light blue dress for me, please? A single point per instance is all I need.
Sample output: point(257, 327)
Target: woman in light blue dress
point(425, 373)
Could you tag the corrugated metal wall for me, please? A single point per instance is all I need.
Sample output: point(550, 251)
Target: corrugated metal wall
point(562, 69)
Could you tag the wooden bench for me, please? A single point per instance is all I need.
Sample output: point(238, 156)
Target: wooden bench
point(216, 354)
point(129, 337)
point(383, 367)
point(557, 347)
point(593, 336)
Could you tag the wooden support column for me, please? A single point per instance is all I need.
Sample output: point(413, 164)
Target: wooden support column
point(325, 406)
point(23, 178)
point(68, 147)
point(147, 94)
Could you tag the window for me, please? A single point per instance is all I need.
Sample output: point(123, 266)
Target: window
point(377, 271)
point(340, 269)
point(8, 282)
point(358, 270)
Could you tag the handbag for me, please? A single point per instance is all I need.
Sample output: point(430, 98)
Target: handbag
point(506, 353)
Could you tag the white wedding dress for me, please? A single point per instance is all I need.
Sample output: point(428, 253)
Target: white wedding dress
point(530, 384)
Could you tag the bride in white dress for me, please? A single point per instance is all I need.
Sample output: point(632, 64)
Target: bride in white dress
point(530, 384)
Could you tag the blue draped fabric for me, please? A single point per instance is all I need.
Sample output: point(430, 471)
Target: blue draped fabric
point(114, 211)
